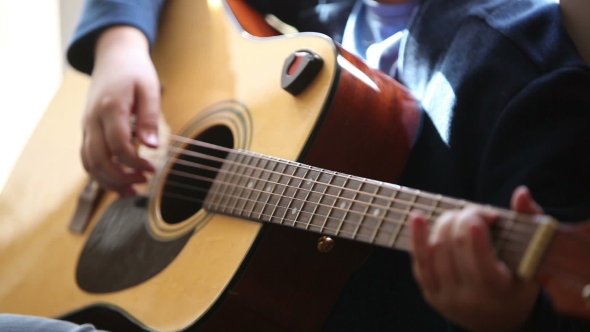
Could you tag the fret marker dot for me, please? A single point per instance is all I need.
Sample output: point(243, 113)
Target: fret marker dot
point(586, 292)
point(293, 210)
point(308, 183)
point(342, 205)
point(267, 188)
point(376, 212)
point(250, 184)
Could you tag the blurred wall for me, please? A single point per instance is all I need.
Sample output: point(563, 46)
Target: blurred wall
point(69, 13)
point(33, 37)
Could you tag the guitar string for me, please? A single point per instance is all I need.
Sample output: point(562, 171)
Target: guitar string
point(240, 198)
point(395, 222)
point(397, 188)
point(510, 215)
point(511, 245)
point(287, 163)
point(512, 231)
point(508, 239)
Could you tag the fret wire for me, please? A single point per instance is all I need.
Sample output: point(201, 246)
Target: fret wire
point(336, 198)
point(231, 187)
point(288, 207)
point(243, 178)
point(249, 183)
point(269, 191)
point(349, 205)
point(215, 187)
point(405, 218)
point(385, 211)
point(211, 195)
point(433, 207)
point(505, 232)
point(304, 200)
point(257, 192)
point(322, 197)
point(233, 184)
point(223, 184)
point(364, 214)
point(281, 195)
point(312, 185)
point(251, 186)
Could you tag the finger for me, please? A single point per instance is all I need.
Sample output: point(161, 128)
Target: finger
point(105, 184)
point(83, 154)
point(522, 201)
point(421, 254)
point(147, 109)
point(117, 134)
point(463, 250)
point(443, 255)
point(486, 212)
point(493, 272)
point(101, 166)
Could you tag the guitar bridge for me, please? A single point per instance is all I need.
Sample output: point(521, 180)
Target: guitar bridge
point(86, 204)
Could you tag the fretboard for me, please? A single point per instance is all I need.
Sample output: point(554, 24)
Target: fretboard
point(273, 190)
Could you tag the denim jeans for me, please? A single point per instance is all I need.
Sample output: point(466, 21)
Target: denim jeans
point(22, 323)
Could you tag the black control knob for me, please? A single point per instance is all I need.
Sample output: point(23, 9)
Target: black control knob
point(300, 68)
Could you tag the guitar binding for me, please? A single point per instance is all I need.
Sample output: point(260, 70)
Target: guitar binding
point(180, 186)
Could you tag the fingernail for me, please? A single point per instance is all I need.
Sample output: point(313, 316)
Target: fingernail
point(152, 139)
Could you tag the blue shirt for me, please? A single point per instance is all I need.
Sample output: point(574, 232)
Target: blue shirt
point(374, 31)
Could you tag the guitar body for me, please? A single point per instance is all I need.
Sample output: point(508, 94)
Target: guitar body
point(167, 270)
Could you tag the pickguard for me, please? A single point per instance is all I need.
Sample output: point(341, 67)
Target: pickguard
point(120, 252)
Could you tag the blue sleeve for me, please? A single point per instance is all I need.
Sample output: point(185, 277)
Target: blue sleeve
point(100, 14)
point(18, 323)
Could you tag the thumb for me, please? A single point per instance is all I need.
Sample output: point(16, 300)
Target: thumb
point(147, 110)
point(523, 202)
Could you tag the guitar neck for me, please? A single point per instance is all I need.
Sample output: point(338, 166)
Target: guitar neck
point(268, 189)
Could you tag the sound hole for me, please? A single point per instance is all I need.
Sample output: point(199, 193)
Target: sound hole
point(189, 180)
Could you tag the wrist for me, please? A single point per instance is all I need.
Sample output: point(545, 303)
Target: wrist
point(120, 38)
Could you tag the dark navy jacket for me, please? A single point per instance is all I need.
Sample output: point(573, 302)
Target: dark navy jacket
point(506, 101)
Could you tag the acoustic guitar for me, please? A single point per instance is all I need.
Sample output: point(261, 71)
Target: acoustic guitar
point(265, 198)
